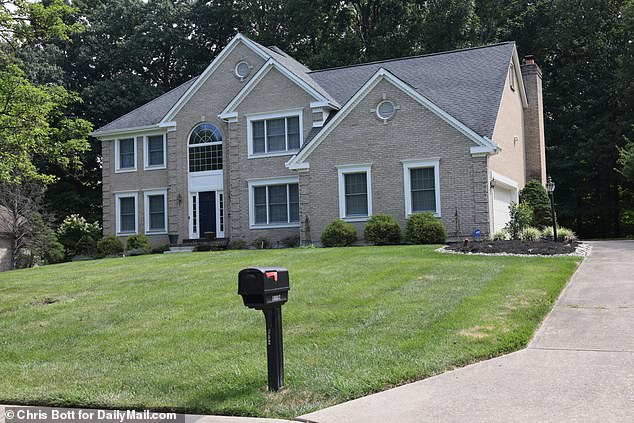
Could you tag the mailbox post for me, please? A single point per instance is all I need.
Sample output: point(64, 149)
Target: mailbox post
point(267, 289)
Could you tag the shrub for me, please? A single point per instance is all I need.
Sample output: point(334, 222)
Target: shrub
point(338, 234)
point(137, 252)
point(425, 228)
point(501, 235)
point(382, 229)
point(530, 234)
point(521, 217)
point(566, 234)
point(72, 229)
point(110, 246)
point(137, 242)
point(261, 243)
point(535, 196)
point(291, 241)
point(237, 244)
point(86, 246)
point(563, 234)
point(160, 249)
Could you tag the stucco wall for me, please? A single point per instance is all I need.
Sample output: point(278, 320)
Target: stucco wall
point(275, 92)
point(414, 133)
point(509, 134)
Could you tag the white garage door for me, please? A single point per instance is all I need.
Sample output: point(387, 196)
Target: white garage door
point(502, 197)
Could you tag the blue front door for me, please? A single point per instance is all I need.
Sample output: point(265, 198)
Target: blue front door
point(207, 213)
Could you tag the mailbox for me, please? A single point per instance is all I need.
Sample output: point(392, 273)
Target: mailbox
point(266, 289)
point(263, 287)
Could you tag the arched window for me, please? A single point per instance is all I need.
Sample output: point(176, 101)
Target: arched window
point(205, 148)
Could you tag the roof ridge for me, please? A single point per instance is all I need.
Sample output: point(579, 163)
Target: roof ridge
point(417, 56)
point(148, 103)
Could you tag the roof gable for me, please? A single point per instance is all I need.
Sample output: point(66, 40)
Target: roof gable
point(482, 144)
point(467, 84)
point(229, 111)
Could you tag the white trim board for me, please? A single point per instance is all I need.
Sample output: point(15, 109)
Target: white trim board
point(210, 70)
point(483, 144)
point(229, 112)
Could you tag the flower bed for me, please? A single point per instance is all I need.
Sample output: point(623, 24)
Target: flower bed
point(540, 247)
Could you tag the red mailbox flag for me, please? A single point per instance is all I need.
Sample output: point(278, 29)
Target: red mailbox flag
point(270, 275)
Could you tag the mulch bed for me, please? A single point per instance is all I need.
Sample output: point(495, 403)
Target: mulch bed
point(542, 247)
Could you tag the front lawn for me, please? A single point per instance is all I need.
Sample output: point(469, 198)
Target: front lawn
point(169, 332)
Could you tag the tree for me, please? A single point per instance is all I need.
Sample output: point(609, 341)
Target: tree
point(33, 123)
point(534, 195)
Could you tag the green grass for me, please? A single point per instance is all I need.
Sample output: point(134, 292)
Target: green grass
point(169, 332)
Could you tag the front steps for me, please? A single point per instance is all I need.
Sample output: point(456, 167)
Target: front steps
point(180, 249)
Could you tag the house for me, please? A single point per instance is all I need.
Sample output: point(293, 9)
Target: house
point(259, 146)
point(5, 240)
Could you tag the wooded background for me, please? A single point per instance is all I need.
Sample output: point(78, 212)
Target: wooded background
point(119, 54)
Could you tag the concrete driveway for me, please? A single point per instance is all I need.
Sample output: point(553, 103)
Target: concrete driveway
point(578, 368)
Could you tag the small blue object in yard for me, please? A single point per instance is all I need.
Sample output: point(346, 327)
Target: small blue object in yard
point(477, 234)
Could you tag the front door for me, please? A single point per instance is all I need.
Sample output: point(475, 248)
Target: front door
point(207, 212)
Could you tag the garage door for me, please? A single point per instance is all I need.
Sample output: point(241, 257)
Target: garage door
point(502, 197)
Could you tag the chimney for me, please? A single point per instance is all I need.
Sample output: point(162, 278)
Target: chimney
point(534, 142)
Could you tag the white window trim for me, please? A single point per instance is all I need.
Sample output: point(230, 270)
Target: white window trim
point(252, 183)
point(146, 152)
point(274, 115)
point(357, 168)
point(117, 157)
point(128, 194)
point(205, 144)
point(146, 210)
point(407, 181)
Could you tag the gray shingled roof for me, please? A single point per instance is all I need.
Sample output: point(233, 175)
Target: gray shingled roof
point(467, 84)
point(150, 113)
point(300, 70)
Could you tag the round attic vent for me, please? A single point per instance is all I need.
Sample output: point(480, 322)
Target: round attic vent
point(242, 69)
point(385, 110)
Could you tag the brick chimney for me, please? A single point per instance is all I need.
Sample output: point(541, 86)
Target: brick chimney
point(535, 145)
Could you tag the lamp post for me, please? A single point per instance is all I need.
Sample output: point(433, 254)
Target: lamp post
point(550, 187)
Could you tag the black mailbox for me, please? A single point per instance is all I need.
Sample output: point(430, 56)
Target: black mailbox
point(266, 289)
point(263, 287)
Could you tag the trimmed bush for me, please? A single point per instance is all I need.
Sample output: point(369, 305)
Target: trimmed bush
point(237, 244)
point(501, 235)
point(425, 228)
point(383, 229)
point(261, 243)
point(110, 246)
point(291, 241)
point(535, 196)
point(338, 234)
point(136, 243)
point(521, 218)
point(530, 234)
point(86, 246)
point(160, 249)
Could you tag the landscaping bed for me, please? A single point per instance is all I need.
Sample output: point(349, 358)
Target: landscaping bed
point(514, 246)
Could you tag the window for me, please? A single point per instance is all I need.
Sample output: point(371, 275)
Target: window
point(274, 202)
point(422, 186)
point(155, 152)
point(512, 76)
point(385, 110)
point(126, 215)
point(155, 211)
point(355, 192)
point(221, 212)
point(205, 148)
point(242, 69)
point(276, 135)
point(125, 155)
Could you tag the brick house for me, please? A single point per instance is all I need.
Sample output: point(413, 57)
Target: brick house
point(258, 146)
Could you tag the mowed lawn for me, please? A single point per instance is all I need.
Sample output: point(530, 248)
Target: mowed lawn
point(169, 332)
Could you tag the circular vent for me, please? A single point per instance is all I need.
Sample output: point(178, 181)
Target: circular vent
point(385, 110)
point(242, 69)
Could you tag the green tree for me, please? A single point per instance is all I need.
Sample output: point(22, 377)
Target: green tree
point(534, 195)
